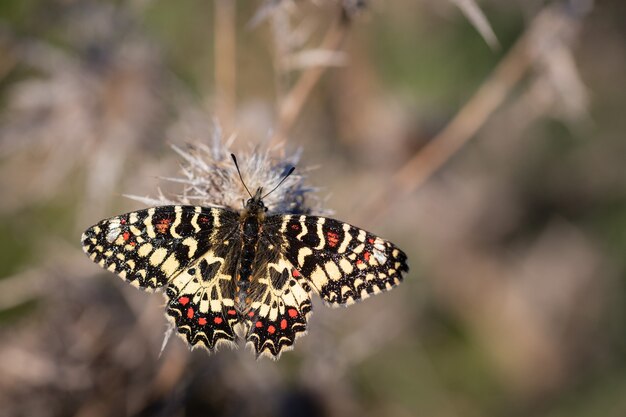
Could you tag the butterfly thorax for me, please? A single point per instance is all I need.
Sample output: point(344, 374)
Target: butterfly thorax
point(251, 222)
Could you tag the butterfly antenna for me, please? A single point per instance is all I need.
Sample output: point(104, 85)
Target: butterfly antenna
point(240, 177)
point(281, 181)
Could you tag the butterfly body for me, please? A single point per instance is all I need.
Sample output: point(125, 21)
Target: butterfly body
point(251, 221)
point(220, 268)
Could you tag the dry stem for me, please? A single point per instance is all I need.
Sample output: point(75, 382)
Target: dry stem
point(225, 62)
point(472, 116)
point(293, 102)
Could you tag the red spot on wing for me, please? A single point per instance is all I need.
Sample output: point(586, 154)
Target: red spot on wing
point(231, 312)
point(295, 226)
point(190, 313)
point(259, 324)
point(295, 273)
point(358, 261)
point(122, 221)
point(292, 312)
point(126, 236)
point(333, 239)
point(283, 324)
point(203, 219)
point(366, 256)
point(163, 225)
point(201, 321)
point(133, 243)
point(217, 320)
point(271, 329)
point(251, 314)
point(183, 300)
point(371, 240)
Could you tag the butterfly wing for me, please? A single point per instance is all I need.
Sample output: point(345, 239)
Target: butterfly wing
point(149, 247)
point(305, 254)
point(191, 252)
point(342, 263)
point(201, 298)
point(280, 303)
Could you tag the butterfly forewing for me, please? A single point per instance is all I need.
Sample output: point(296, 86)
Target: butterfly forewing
point(343, 263)
point(149, 247)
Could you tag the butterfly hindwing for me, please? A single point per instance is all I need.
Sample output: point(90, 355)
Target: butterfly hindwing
point(343, 263)
point(149, 247)
point(201, 300)
point(280, 305)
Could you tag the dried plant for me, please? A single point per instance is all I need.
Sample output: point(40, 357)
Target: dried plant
point(90, 105)
point(210, 178)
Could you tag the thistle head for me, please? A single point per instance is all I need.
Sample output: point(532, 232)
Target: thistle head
point(210, 178)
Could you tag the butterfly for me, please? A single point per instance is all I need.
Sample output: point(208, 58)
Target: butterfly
point(220, 268)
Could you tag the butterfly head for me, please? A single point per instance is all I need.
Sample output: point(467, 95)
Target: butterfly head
point(255, 204)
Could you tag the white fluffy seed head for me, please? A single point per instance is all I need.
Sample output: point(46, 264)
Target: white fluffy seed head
point(210, 178)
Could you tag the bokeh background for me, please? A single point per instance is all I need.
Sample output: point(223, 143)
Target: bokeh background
point(487, 140)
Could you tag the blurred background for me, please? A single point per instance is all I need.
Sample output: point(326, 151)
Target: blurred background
point(484, 139)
